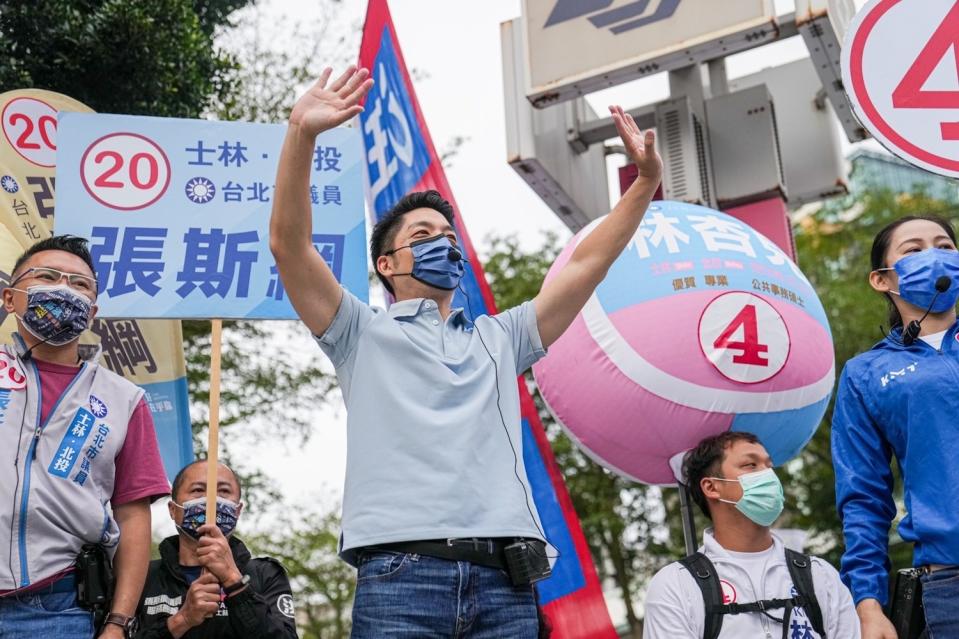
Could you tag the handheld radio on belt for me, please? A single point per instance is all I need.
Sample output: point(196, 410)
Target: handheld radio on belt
point(907, 613)
point(94, 581)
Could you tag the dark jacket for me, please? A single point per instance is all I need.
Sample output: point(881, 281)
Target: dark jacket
point(264, 610)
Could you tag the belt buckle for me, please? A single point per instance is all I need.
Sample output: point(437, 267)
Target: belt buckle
point(475, 543)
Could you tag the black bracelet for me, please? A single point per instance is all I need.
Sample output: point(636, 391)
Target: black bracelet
point(232, 588)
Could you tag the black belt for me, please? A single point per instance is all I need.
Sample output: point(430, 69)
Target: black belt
point(483, 552)
point(64, 584)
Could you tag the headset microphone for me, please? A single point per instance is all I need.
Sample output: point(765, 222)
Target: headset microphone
point(454, 255)
point(911, 332)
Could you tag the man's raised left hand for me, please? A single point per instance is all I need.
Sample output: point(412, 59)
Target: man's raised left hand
point(640, 146)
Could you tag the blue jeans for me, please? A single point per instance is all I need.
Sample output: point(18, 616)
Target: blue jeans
point(41, 615)
point(940, 594)
point(408, 595)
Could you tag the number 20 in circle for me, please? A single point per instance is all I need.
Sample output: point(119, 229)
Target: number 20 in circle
point(125, 171)
point(30, 126)
point(744, 337)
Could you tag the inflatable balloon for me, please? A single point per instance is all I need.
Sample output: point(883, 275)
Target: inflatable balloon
point(701, 326)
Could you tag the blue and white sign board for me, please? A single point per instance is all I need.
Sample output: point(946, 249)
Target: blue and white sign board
point(178, 212)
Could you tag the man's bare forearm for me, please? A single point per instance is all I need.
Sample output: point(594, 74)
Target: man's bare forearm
point(132, 559)
point(563, 297)
point(291, 224)
point(597, 252)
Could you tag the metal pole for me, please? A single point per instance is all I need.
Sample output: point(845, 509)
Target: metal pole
point(689, 524)
point(718, 82)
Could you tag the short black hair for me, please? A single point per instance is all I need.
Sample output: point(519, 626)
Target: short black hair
point(384, 233)
point(69, 243)
point(706, 460)
point(178, 480)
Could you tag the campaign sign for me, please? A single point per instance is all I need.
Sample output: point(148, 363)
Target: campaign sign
point(899, 68)
point(701, 326)
point(178, 212)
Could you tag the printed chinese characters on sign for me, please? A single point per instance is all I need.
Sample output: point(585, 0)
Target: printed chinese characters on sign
point(178, 213)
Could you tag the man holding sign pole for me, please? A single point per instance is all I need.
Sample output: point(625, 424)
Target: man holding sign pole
point(79, 457)
point(437, 513)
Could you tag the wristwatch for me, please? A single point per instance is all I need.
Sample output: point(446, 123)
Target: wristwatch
point(129, 624)
point(236, 587)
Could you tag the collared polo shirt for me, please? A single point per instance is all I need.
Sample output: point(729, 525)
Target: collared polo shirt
point(434, 437)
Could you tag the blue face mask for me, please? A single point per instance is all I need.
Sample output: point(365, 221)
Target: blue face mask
point(918, 273)
point(436, 262)
point(762, 499)
point(194, 516)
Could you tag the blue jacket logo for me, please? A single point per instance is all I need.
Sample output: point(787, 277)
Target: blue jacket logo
point(631, 15)
point(892, 375)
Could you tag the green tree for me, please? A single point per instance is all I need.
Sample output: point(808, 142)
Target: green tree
point(150, 58)
point(276, 57)
point(187, 58)
point(323, 583)
point(272, 382)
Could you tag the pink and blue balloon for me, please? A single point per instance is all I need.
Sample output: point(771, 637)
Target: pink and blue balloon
point(701, 326)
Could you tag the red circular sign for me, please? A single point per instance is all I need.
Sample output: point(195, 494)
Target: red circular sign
point(897, 76)
point(30, 127)
point(125, 171)
point(12, 376)
point(729, 592)
point(744, 337)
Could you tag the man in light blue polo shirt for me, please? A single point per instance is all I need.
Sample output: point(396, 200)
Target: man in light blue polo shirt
point(436, 491)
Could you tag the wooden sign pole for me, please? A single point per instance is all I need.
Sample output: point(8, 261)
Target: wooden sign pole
point(213, 441)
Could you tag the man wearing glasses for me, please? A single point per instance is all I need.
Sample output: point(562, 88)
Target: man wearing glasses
point(79, 462)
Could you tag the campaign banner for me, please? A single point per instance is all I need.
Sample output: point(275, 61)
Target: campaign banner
point(147, 352)
point(401, 158)
point(28, 153)
point(178, 213)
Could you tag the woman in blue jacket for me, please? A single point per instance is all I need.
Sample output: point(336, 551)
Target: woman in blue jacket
point(902, 398)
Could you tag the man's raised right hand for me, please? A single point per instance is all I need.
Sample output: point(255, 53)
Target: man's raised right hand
point(324, 107)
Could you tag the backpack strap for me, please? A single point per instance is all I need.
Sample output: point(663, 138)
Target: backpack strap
point(764, 607)
point(800, 569)
point(705, 576)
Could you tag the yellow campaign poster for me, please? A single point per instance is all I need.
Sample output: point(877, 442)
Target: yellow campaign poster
point(147, 352)
point(28, 159)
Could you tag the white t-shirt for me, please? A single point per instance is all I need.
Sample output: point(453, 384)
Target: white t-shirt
point(675, 610)
point(934, 339)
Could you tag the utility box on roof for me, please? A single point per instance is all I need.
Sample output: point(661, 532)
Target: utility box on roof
point(684, 146)
point(744, 146)
point(810, 145)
